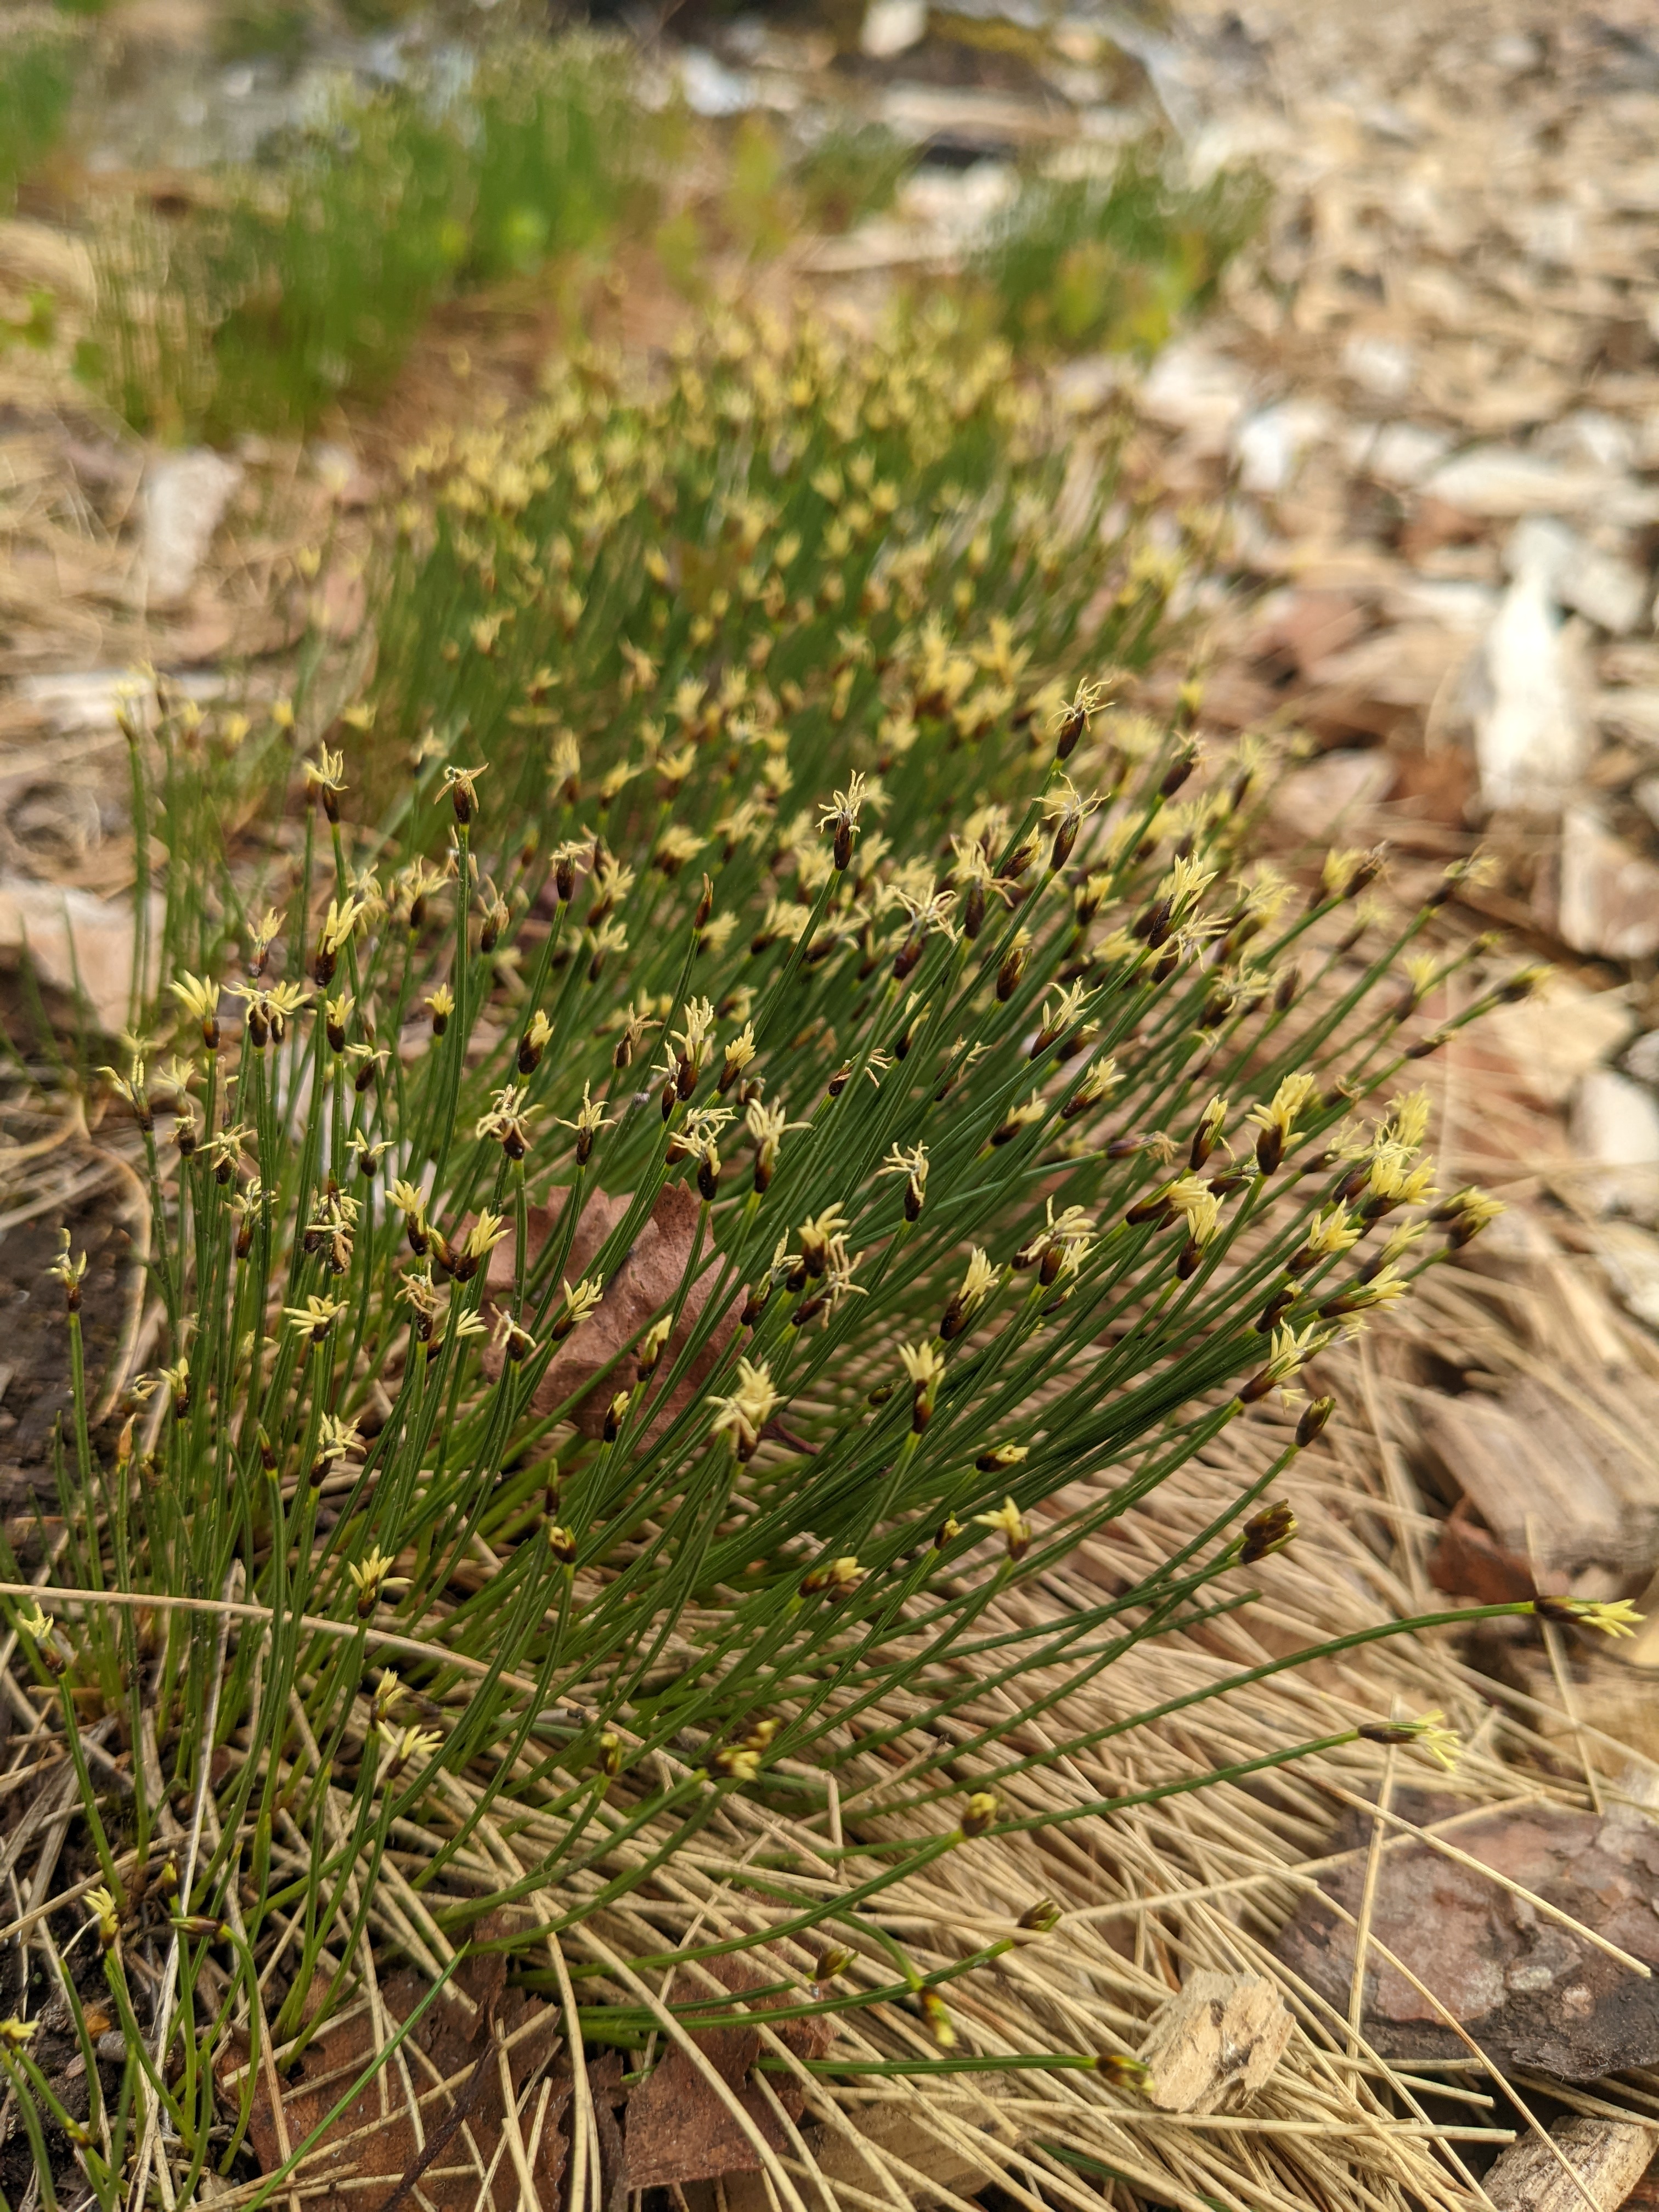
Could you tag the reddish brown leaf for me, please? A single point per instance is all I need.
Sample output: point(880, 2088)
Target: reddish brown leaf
point(641, 1289)
point(454, 2040)
point(680, 2129)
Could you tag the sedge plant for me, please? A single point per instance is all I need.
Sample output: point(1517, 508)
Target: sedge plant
point(754, 1104)
point(306, 278)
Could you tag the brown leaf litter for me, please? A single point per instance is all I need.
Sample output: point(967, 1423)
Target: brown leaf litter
point(426, 2127)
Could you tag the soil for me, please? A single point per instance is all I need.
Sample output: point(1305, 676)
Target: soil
point(34, 1344)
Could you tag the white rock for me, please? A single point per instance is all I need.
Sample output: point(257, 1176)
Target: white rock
point(1454, 602)
point(892, 27)
point(1269, 445)
point(1605, 441)
point(1314, 801)
point(1498, 481)
point(87, 699)
point(1191, 388)
point(1400, 453)
point(1609, 902)
point(1531, 732)
point(1598, 584)
point(1559, 1034)
point(956, 205)
point(709, 87)
point(1630, 711)
point(1087, 383)
point(1642, 1060)
point(1383, 367)
point(1615, 1127)
point(1646, 795)
point(184, 498)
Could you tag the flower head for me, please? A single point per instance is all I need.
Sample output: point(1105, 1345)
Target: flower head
point(316, 1316)
point(1015, 1528)
point(578, 1305)
point(404, 1744)
point(745, 1411)
point(460, 787)
point(1614, 1617)
point(371, 1576)
point(1428, 1732)
point(1277, 1119)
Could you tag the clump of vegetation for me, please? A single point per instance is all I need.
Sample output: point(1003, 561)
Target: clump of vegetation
point(556, 164)
point(39, 54)
point(851, 172)
point(1116, 260)
point(257, 312)
point(291, 285)
point(763, 1109)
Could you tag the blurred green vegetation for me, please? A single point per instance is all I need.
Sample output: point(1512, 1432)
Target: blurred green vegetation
point(40, 56)
point(310, 277)
point(286, 286)
point(850, 174)
point(1116, 261)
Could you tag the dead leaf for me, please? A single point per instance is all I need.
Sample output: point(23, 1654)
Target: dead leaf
point(454, 2037)
point(643, 1288)
point(680, 2130)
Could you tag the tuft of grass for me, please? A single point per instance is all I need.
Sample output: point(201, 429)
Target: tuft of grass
point(309, 279)
point(850, 172)
point(38, 59)
point(258, 311)
point(752, 1109)
point(1116, 260)
point(555, 156)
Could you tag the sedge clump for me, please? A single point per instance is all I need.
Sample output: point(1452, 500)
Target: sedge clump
point(763, 1069)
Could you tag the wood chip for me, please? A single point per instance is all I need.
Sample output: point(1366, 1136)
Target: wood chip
point(1609, 2157)
point(1211, 2047)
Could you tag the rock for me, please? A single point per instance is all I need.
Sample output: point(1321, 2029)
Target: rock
point(1560, 1033)
point(1529, 1991)
point(1630, 712)
point(1630, 1260)
point(1193, 389)
point(1642, 1060)
point(643, 1286)
point(184, 498)
point(1214, 2045)
point(1083, 385)
point(1382, 367)
point(1609, 894)
point(1606, 2159)
point(1400, 453)
point(1609, 591)
point(1529, 721)
point(72, 938)
point(1269, 445)
point(1498, 482)
point(1557, 1492)
point(892, 27)
point(87, 699)
point(711, 88)
point(1615, 1126)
